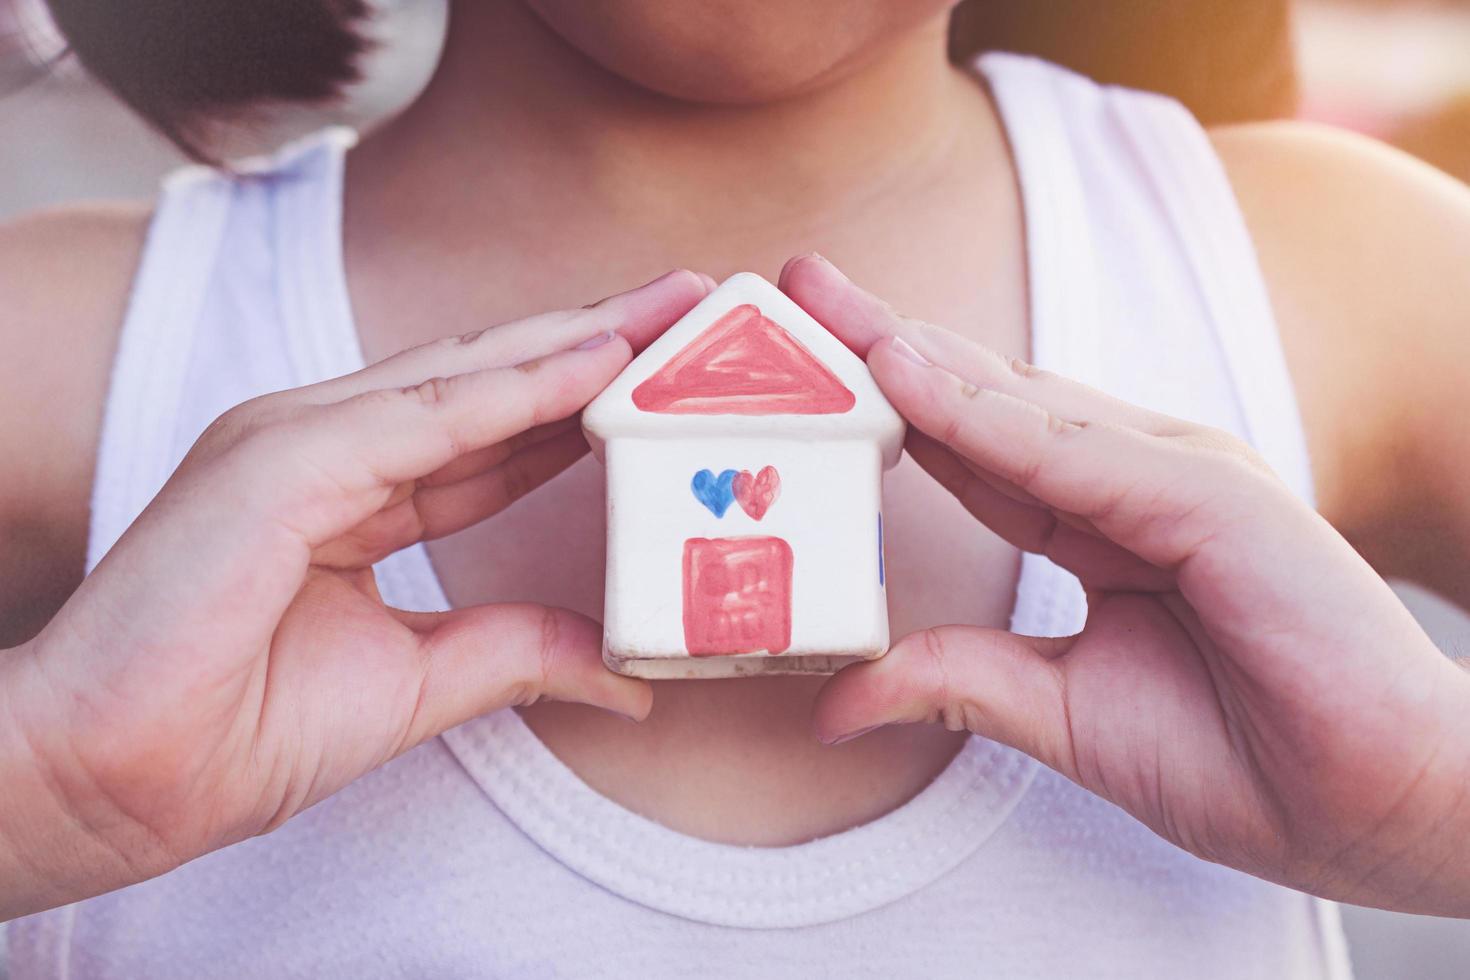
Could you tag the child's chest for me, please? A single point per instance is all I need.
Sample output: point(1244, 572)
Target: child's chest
point(776, 783)
point(960, 267)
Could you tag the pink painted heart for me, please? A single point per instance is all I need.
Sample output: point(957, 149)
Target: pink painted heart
point(757, 493)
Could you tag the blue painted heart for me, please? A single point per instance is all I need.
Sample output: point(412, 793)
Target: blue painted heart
point(714, 491)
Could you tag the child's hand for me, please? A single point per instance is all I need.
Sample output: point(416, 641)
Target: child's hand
point(230, 662)
point(1246, 685)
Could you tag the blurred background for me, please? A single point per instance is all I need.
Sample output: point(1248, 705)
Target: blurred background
point(1398, 70)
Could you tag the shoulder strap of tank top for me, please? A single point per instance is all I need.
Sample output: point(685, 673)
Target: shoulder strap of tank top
point(1060, 260)
point(1058, 121)
point(180, 263)
point(1185, 173)
point(133, 456)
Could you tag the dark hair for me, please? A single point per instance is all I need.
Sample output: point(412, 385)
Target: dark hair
point(183, 63)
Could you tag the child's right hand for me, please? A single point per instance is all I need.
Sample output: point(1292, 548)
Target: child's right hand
point(230, 662)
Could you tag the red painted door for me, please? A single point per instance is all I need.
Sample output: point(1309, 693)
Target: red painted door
point(737, 595)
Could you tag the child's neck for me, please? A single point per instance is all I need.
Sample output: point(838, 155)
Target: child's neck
point(521, 132)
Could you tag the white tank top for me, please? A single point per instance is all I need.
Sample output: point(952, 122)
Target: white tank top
point(480, 854)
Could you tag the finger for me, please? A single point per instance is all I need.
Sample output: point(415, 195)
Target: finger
point(643, 314)
point(455, 506)
point(477, 462)
point(282, 488)
point(861, 320)
point(1241, 548)
point(853, 315)
point(1098, 562)
point(324, 471)
point(996, 684)
point(1159, 497)
point(427, 513)
point(485, 658)
point(1246, 553)
point(638, 315)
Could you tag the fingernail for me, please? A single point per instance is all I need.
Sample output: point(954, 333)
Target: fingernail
point(850, 735)
point(663, 278)
point(596, 341)
point(707, 279)
point(829, 264)
point(636, 289)
point(902, 348)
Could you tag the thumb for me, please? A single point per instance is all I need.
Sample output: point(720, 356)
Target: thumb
point(999, 685)
point(484, 658)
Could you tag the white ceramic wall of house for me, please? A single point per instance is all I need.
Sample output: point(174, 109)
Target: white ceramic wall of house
point(663, 513)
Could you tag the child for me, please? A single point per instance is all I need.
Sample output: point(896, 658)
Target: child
point(1246, 690)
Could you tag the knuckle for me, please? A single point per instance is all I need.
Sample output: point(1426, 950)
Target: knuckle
point(998, 365)
point(1110, 504)
point(1233, 455)
point(1058, 426)
point(1252, 466)
point(960, 716)
point(432, 392)
point(1024, 370)
point(377, 398)
point(931, 641)
point(220, 434)
point(1256, 461)
point(1034, 452)
point(235, 422)
point(534, 661)
point(953, 427)
point(521, 694)
point(548, 650)
point(243, 427)
point(1212, 439)
point(445, 345)
point(263, 436)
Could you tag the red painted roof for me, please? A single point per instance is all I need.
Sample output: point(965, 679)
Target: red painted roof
point(744, 364)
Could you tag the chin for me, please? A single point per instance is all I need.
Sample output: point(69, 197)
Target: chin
point(734, 52)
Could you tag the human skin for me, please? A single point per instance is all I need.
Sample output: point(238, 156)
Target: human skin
point(530, 177)
point(1246, 684)
point(230, 661)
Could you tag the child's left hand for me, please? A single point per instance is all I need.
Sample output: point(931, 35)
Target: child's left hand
point(1246, 685)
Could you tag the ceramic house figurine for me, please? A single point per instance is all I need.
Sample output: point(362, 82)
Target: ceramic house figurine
point(745, 450)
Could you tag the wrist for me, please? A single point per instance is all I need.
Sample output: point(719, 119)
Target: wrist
point(57, 844)
point(1420, 863)
point(1449, 883)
